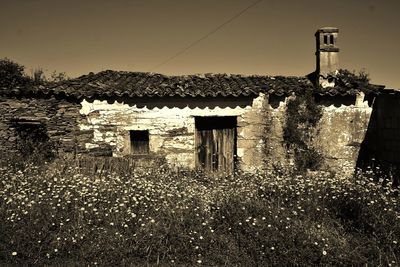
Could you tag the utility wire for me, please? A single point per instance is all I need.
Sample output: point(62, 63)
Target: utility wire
point(205, 36)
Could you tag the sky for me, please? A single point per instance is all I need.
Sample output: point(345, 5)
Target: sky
point(274, 37)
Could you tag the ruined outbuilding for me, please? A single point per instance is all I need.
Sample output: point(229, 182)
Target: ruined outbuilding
point(216, 122)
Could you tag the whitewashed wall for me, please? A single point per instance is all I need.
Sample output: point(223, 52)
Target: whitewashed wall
point(339, 134)
point(172, 129)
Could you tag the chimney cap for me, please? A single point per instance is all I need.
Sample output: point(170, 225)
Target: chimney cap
point(327, 29)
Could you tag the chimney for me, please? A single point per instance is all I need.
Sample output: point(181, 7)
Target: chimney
point(327, 55)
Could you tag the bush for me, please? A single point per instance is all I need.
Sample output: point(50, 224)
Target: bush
point(302, 116)
point(12, 75)
point(33, 143)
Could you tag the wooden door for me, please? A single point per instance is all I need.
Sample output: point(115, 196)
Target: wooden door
point(216, 144)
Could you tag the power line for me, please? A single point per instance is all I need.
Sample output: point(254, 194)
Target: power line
point(205, 36)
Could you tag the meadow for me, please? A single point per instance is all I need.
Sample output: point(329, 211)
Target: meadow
point(61, 215)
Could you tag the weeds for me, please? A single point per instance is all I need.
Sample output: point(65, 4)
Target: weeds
point(57, 214)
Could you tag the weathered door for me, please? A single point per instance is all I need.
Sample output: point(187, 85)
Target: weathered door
point(216, 143)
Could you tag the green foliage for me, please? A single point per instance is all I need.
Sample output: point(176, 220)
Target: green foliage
point(58, 76)
point(12, 74)
point(348, 79)
point(302, 116)
point(39, 76)
point(33, 143)
point(57, 215)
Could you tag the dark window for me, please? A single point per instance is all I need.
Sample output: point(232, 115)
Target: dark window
point(325, 39)
point(139, 142)
point(331, 37)
point(32, 141)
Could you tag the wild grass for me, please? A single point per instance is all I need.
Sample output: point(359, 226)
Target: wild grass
point(60, 215)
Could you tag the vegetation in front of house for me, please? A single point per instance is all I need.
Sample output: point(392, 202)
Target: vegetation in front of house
point(57, 215)
point(301, 118)
point(33, 144)
point(303, 114)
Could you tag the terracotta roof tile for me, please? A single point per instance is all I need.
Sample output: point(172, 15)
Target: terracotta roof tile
point(138, 84)
point(108, 84)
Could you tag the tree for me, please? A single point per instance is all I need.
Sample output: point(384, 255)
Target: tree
point(12, 74)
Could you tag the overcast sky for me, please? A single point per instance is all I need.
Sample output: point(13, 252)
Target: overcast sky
point(271, 38)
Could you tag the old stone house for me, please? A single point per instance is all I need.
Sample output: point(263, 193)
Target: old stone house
point(216, 122)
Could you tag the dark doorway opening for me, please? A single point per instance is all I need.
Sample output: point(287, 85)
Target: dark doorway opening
point(215, 140)
point(33, 142)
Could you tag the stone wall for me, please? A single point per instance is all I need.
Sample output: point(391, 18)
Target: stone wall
point(338, 135)
point(341, 131)
point(60, 118)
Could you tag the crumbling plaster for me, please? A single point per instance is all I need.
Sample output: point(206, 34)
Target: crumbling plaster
point(338, 135)
point(102, 129)
point(341, 131)
point(172, 129)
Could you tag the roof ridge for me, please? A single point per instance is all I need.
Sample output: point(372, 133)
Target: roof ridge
point(200, 75)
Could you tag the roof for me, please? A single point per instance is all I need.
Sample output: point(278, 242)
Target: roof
point(390, 91)
point(140, 84)
point(114, 84)
point(107, 84)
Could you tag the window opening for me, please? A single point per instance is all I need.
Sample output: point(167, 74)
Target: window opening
point(325, 39)
point(33, 142)
point(139, 142)
point(331, 37)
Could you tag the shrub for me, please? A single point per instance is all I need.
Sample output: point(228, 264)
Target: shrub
point(12, 74)
point(302, 116)
point(33, 143)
